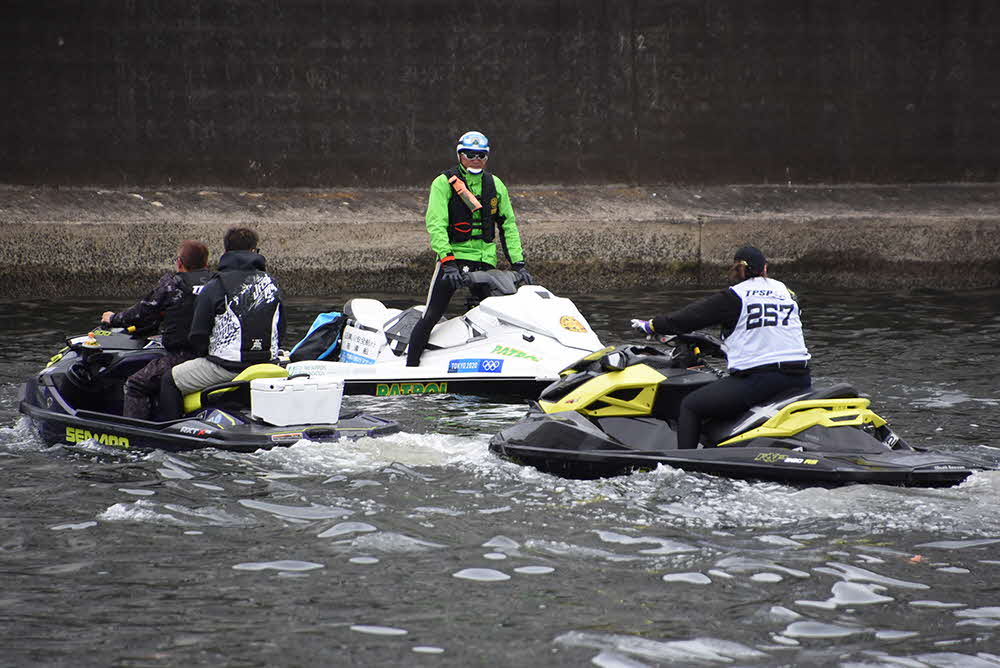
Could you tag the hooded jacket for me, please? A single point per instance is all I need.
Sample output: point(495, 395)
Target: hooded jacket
point(238, 316)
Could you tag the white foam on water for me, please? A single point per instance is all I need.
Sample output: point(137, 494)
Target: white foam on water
point(979, 612)
point(211, 488)
point(959, 544)
point(935, 604)
point(819, 630)
point(855, 574)
point(986, 622)
point(372, 454)
point(688, 578)
point(698, 650)
point(716, 503)
point(666, 546)
point(895, 635)
point(780, 613)
point(493, 511)
point(609, 659)
point(311, 512)
point(481, 575)
point(345, 528)
point(502, 543)
point(747, 564)
point(428, 649)
point(569, 550)
point(431, 510)
point(363, 560)
point(392, 543)
point(281, 565)
point(137, 492)
point(850, 594)
point(766, 577)
point(780, 541)
point(534, 570)
point(495, 556)
point(140, 511)
point(958, 660)
point(74, 527)
point(945, 397)
point(379, 630)
point(20, 436)
point(172, 473)
point(953, 569)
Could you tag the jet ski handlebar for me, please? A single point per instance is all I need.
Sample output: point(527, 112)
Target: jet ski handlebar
point(493, 282)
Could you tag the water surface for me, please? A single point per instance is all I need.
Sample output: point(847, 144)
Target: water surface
point(424, 549)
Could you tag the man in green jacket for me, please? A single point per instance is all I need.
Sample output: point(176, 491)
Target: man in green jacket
point(463, 231)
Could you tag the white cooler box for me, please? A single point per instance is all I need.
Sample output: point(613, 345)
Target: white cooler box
point(287, 401)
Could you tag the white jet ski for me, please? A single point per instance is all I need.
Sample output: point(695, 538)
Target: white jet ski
point(512, 343)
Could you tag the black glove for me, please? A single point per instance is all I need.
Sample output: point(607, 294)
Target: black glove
point(450, 275)
point(523, 273)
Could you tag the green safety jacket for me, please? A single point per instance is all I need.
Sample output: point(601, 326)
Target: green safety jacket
point(476, 249)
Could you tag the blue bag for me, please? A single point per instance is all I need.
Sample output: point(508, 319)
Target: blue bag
point(322, 341)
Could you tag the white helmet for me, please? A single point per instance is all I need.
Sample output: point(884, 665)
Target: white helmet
point(473, 140)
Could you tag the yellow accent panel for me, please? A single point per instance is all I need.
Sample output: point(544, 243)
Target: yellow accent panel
point(597, 390)
point(596, 355)
point(192, 402)
point(800, 415)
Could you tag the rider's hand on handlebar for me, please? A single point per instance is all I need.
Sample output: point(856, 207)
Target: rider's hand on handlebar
point(451, 275)
point(106, 317)
point(643, 326)
point(523, 273)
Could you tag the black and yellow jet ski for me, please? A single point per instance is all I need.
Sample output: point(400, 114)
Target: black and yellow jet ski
point(615, 411)
point(78, 397)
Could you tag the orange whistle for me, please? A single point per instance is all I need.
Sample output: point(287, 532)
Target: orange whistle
point(463, 192)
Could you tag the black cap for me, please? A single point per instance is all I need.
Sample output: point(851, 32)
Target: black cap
point(752, 258)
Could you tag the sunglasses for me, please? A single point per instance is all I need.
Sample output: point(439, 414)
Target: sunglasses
point(475, 155)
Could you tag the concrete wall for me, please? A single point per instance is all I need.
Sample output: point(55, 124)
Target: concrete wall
point(91, 242)
point(255, 93)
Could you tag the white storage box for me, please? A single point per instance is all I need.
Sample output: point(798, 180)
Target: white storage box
point(289, 401)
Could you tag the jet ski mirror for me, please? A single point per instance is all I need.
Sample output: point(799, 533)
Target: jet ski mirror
point(613, 361)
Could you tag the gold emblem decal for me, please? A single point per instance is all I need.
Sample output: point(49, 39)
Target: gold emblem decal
point(572, 324)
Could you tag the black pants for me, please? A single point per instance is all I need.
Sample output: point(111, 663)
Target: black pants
point(144, 384)
point(438, 298)
point(731, 396)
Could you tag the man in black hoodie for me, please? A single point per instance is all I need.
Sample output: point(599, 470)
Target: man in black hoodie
point(168, 307)
point(238, 322)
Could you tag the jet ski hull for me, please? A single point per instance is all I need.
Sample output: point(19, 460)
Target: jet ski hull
point(561, 449)
point(616, 412)
point(510, 345)
point(77, 398)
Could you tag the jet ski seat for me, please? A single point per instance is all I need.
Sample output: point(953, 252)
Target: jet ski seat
point(837, 391)
point(124, 366)
point(198, 400)
point(369, 312)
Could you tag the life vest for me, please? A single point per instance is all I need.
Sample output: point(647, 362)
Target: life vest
point(460, 223)
point(768, 330)
point(176, 323)
point(247, 330)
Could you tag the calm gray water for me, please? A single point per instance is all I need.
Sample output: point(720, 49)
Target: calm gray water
point(422, 549)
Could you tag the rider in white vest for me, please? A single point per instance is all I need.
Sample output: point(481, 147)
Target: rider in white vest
point(762, 333)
